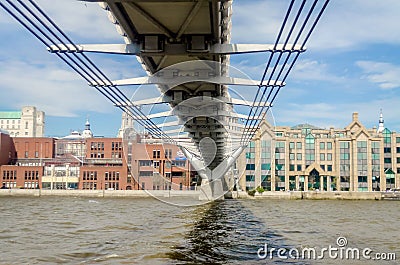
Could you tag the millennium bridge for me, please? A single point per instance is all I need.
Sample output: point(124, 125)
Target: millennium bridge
point(185, 46)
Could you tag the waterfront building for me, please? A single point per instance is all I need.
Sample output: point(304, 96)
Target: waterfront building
point(96, 163)
point(158, 166)
point(305, 157)
point(7, 149)
point(27, 157)
point(105, 166)
point(29, 122)
point(280, 158)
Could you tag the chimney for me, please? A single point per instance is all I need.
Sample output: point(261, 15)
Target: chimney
point(355, 116)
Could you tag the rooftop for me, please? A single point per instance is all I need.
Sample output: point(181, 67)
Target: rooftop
point(10, 115)
point(304, 126)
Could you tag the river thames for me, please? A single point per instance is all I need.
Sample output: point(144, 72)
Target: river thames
point(75, 230)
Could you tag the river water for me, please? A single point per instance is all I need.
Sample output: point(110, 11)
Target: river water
point(66, 230)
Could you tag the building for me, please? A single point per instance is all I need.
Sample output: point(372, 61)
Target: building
point(305, 157)
point(7, 150)
point(302, 157)
point(29, 122)
point(158, 166)
point(74, 162)
point(126, 123)
point(25, 165)
point(105, 166)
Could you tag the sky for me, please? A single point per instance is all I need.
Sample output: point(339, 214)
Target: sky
point(352, 64)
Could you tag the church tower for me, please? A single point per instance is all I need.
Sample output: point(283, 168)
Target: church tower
point(87, 133)
point(126, 122)
point(381, 126)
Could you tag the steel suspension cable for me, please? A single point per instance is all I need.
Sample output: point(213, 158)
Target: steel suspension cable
point(120, 94)
point(298, 52)
point(268, 64)
point(253, 121)
point(255, 128)
point(88, 76)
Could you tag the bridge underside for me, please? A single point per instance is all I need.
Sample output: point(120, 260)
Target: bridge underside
point(169, 33)
point(184, 47)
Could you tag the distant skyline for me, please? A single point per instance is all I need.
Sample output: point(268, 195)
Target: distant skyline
point(351, 65)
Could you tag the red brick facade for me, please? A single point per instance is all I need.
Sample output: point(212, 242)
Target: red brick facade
point(25, 161)
point(7, 150)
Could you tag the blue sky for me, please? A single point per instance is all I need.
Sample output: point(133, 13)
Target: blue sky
point(351, 65)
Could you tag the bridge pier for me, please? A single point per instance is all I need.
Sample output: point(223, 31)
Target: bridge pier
point(217, 189)
point(211, 190)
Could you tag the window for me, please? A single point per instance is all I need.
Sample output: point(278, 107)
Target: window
point(299, 157)
point(156, 154)
point(345, 156)
point(322, 145)
point(344, 145)
point(398, 150)
point(329, 156)
point(387, 150)
point(168, 153)
point(398, 140)
point(249, 177)
point(250, 155)
point(387, 136)
point(387, 160)
point(291, 167)
point(329, 167)
point(322, 157)
point(145, 163)
point(298, 167)
point(299, 145)
point(146, 173)
point(291, 156)
point(250, 166)
point(179, 163)
point(266, 166)
point(291, 145)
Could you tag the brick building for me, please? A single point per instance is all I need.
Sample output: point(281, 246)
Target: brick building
point(157, 166)
point(75, 162)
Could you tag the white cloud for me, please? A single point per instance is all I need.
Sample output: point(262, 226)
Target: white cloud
point(56, 91)
point(344, 25)
point(84, 20)
point(30, 76)
point(314, 70)
point(386, 75)
point(338, 115)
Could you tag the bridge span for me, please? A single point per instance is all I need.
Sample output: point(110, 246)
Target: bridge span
point(184, 46)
